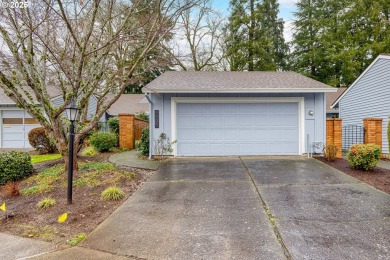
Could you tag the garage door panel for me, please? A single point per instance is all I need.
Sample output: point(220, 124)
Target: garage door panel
point(216, 134)
point(238, 129)
point(13, 144)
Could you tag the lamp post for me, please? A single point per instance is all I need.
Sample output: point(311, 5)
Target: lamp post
point(71, 111)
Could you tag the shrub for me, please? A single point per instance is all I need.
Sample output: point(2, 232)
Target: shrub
point(39, 139)
point(14, 166)
point(112, 194)
point(364, 156)
point(103, 141)
point(144, 142)
point(330, 152)
point(163, 145)
point(11, 189)
point(113, 124)
point(46, 203)
point(89, 151)
point(142, 115)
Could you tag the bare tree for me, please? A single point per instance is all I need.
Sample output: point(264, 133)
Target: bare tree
point(81, 48)
point(197, 43)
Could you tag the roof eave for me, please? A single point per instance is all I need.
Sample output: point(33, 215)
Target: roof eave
point(264, 90)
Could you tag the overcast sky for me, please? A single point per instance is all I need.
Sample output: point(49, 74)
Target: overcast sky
point(286, 10)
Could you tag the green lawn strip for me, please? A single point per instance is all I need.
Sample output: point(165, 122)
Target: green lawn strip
point(37, 158)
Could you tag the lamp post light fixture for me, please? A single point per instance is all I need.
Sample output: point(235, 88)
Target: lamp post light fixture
point(72, 112)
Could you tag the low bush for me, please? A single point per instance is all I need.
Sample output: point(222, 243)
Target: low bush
point(112, 194)
point(46, 203)
point(113, 124)
point(38, 138)
point(11, 189)
point(103, 141)
point(330, 152)
point(364, 156)
point(143, 146)
point(89, 151)
point(14, 166)
point(142, 115)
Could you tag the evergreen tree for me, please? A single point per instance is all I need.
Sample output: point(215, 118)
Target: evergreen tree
point(255, 36)
point(335, 40)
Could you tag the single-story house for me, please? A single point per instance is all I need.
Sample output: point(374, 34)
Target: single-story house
point(15, 123)
point(333, 112)
point(368, 97)
point(238, 113)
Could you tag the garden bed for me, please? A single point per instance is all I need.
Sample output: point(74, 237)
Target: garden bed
point(87, 210)
point(378, 177)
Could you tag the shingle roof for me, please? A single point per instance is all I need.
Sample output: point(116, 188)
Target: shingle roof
point(129, 104)
point(234, 81)
point(331, 98)
point(5, 100)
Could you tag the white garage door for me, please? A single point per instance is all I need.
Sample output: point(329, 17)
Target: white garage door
point(15, 127)
point(237, 129)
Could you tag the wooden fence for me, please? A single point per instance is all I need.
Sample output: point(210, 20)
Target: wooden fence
point(130, 129)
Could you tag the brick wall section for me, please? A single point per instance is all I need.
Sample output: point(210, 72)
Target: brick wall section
point(373, 131)
point(126, 131)
point(334, 134)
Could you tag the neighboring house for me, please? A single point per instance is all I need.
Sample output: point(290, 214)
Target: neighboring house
point(238, 113)
point(129, 104)
point(15, 123)
point(333, 112)
point(368, 97)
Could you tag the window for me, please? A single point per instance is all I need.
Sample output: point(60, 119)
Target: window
point(12, 121)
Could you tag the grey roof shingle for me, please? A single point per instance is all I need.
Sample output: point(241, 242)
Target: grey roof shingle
point(231, 81)
point(331, 98)
point(128, 104)
point(5, 100)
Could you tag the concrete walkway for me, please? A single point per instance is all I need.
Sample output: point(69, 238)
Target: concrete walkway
point(131, 158)
point(244, 208)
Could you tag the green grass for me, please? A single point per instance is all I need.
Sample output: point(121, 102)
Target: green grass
point(37, 158)
point(46, 203)
point(77, 239)
point(42, 182)
point(97, 166)
point(112, 194)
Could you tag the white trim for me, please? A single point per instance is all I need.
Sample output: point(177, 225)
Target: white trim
point(247, 90)
point(299, 100)
point(381, 56)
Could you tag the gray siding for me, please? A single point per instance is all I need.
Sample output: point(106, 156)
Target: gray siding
point(58, 101)
point(369, 97)
point(314, 126)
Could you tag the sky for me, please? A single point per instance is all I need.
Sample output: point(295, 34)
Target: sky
point(286, 10)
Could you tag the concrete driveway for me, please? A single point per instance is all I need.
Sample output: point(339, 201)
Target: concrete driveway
point(245, 208)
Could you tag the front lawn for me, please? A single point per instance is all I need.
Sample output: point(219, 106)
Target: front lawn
point(38, 158)
point(43, 198)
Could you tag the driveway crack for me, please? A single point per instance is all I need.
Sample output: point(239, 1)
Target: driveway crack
point(271, 218)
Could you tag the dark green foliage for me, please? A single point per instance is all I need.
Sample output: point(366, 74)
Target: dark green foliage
point(103, 141)
point(254, 36)
point(364, 156)
point(38, 139)
point(144, 142)
point(14, 166)
point(142, 115)
point(113, 124)
point(335, 41)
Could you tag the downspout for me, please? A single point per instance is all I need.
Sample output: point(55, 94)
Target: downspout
point(150, 124)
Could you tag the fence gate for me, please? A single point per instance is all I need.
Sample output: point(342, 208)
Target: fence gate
point(352, 134)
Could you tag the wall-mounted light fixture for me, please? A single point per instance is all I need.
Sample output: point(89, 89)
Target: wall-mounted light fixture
point(311, 112)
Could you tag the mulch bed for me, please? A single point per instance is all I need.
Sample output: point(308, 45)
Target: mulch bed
point(378, 177)
point(84, 215)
